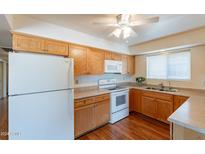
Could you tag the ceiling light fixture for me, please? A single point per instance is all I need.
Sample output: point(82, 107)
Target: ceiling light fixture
point(125, 24)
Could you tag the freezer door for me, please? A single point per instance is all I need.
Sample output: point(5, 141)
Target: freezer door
point(30, 73)
point(42, 116)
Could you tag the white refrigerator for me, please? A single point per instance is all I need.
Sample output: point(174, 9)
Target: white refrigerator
point(40, 97)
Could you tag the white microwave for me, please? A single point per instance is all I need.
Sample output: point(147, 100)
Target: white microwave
point(113, 66)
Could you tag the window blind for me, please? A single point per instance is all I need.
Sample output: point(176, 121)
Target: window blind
point(173, 66)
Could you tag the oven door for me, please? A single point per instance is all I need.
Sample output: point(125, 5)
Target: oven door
point(119, 101)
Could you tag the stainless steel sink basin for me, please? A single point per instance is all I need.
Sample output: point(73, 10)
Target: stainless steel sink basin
point(162, 89)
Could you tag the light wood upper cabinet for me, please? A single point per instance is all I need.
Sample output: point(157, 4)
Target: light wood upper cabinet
point(164, 110)
point(112, 56)
point(40, 45)
point(116, 56)
point(95, 61)
point(28, 44)
point(131, 65)
point(124, 64)
point(108, 55)
point(79, 54)
point(56, 47)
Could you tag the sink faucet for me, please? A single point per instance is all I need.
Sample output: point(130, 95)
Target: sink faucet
point(161, 85)
point(169, 82)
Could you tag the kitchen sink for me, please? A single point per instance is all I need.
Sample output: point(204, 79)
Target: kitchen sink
point(162, 89)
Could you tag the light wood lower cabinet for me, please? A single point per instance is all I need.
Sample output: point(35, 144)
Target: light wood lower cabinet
point(153, 104)
point(135, 100)
point(164, 109)
point(91, 113)
point(101, 111)
point(84, 119)
point(149, 106)
point(178, 101)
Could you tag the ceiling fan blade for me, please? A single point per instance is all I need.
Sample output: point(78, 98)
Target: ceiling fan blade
point(106, 24)
point(144, 21)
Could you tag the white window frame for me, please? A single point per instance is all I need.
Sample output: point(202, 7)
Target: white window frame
point(167, 79)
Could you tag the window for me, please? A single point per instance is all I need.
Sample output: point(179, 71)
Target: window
point(172, 66)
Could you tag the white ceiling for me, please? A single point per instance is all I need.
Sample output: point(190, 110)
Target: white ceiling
point(167, 25)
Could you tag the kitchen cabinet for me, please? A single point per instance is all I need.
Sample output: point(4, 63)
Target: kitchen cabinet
point(101, 111)
point(124, 64)
point(39, 45)
point(157, 105)
point(56, 47)
point(87, 61)
point(29, 44)
point(131, 65)
point(84, 119)
point(135, 100)
point(91, 113)
point(164, 109)
point(79, 54)
point(95, 61)
point(108, 55)
point(178, 101)
point(149, 106)
point(113, 56)
point(116, 56)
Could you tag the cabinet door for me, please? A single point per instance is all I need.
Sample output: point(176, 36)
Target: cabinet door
point(102, 113)
point(79, 54)
point(28, 43)
point(84, 119)
point(149, 106)
point(56, 47)
point(116, 56)
point(164, 110)
point(108, 55)
point(131, 65)
point(95, 61)
point(131, 100)
point(124, 64)
point(135, 100)
point(178, 101)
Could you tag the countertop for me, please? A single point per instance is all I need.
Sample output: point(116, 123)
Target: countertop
point(190, 115)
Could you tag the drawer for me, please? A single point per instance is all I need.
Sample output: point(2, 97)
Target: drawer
point(163, 96)
point(101, 98)
point(82, 102)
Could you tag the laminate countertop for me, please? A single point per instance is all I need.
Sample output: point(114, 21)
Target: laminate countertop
point(191, 114)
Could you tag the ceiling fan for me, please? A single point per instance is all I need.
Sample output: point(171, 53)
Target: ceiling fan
point(124, 25)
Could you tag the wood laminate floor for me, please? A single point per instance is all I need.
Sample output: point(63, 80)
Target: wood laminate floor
point(134, 127)
point(3, 118)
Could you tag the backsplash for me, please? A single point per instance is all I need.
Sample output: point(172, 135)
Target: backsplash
point(92, 80)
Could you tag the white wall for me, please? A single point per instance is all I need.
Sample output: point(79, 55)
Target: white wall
point(36, 27)
point(181, 40)
point(197, 70)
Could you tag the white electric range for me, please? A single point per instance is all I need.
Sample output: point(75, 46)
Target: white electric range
point(119, 104)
